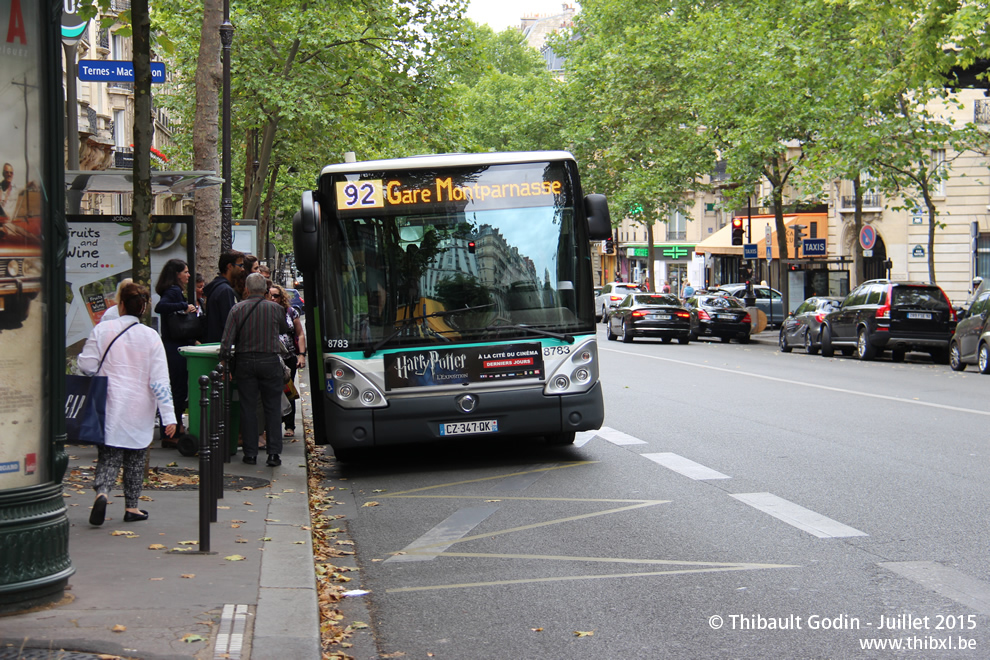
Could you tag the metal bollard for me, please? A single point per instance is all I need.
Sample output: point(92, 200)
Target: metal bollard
point(216, 465)
point(205, 488)
point(228, 393)
point(224, 393)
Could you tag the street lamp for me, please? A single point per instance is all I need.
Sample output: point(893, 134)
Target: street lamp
point(226, 203)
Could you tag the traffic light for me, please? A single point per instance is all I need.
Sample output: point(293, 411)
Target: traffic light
point(798, 235)
point(737, 231)
point(609, 246)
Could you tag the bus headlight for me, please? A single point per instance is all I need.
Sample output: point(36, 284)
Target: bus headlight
point(352, 388)
point(577, 373)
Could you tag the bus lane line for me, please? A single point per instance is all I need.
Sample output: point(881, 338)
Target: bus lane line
point(564, 466)
point(956, 585)
point(685, 466)
point(786, 381)
point(797, 516)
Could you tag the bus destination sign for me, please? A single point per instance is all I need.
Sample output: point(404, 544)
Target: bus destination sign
point(422, 193)
point(467, 364)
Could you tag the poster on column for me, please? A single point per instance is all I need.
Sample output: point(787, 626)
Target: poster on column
point(99, 256)
point(24, 433)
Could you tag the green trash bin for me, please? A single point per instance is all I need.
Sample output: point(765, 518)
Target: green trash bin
point(200, 361)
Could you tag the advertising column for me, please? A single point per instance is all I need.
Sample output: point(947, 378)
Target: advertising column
point(34, 561)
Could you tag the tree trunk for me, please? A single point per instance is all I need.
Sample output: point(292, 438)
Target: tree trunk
point(206, 132)
point(931, 233)
point(143, 129)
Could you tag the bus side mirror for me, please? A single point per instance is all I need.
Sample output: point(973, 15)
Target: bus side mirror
point(304, 229)
point(599, 220)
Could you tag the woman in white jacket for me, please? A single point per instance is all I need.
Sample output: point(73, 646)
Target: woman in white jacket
point(137, 386)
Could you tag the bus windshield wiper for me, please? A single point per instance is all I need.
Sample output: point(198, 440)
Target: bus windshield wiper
point(368, 352)
point(528, 328)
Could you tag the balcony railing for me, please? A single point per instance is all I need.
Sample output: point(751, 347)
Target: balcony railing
point(870, 201)
point(123, 157)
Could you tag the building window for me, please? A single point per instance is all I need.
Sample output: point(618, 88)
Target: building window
point(120, 129)
point(938, 163)
point(983, 256)
point(677, 226)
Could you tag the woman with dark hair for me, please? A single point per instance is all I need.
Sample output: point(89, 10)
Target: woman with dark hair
point(171, 287)
point(295, 347)
point(133, 360)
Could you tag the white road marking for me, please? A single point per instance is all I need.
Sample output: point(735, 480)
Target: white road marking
point(685, 466)
point(444, 535)
point(800, 383)
point(584, 437)
point(796, 515)
point(945, 581)
point(618, 437)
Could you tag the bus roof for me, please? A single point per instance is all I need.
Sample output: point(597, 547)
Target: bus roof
point(448, 160)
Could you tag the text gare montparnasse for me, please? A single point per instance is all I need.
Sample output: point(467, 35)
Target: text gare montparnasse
point(445, 190)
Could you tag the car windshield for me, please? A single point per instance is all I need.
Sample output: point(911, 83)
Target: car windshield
point(921, 297)
point(720, 301)
point(829, 305)
point(656, 300)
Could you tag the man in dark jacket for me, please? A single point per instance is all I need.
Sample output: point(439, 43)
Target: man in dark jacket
point(220, 296)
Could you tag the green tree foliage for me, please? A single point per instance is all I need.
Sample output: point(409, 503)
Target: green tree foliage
point(369, 77)
point(505, 98)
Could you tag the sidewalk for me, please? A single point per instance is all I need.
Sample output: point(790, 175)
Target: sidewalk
point(170, 600)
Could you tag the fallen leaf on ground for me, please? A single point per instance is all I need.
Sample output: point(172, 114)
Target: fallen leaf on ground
point(192, 637)
point(119, 628)
point(370, 504)
point(156, 546)
point(188, 542)
point(119, 532)
point(235, 557)
point(188, 576)
point(537, 629)
point(584, 633)
point(156, 579)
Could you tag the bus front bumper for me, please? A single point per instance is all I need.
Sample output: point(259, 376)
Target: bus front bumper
point(517, 413)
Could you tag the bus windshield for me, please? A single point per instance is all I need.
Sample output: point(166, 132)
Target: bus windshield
point(460, 273)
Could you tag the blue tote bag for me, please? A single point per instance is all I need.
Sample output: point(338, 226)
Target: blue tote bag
point(86, 404)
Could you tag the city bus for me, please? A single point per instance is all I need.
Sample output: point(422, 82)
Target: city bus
point(451, 297)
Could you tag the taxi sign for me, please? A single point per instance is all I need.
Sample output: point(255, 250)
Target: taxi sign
point(749, 251)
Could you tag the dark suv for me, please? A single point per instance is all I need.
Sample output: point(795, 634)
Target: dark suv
point(881, 315)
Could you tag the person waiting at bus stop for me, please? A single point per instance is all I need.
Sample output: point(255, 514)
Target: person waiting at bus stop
point(252, 330)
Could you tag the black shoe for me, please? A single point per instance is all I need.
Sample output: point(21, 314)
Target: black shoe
point(250, 460)
point(134, 517)
point(99, 512)
point(273, 460)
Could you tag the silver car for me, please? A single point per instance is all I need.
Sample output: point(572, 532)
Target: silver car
point(610, 296)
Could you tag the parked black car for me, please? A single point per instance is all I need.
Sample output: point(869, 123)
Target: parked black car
point(803, 326)
point(971, 343)
point(881, 315)
point(769, 301)
point(650, 315)
point(720, 315)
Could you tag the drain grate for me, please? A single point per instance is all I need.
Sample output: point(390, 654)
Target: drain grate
point(17, 653)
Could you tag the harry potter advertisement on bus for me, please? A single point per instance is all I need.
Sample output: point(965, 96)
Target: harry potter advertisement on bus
point(457, 366)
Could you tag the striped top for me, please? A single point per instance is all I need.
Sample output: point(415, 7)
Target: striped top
point(260, 332)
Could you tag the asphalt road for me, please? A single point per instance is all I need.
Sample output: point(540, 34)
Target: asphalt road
point(738, 503)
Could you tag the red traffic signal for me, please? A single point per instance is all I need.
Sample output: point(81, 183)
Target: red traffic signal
point(737, 231)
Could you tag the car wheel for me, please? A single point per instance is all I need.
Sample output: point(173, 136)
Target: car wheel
point(782, 341)
point(743, 339)
point(683, 340)
point(864, 350)
point(627, 335)
point(609, 334)
point(984, 358)
point(560, 439)
point(955, 359)
point(827, 349)
point(604, 315)
point(809, 346)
